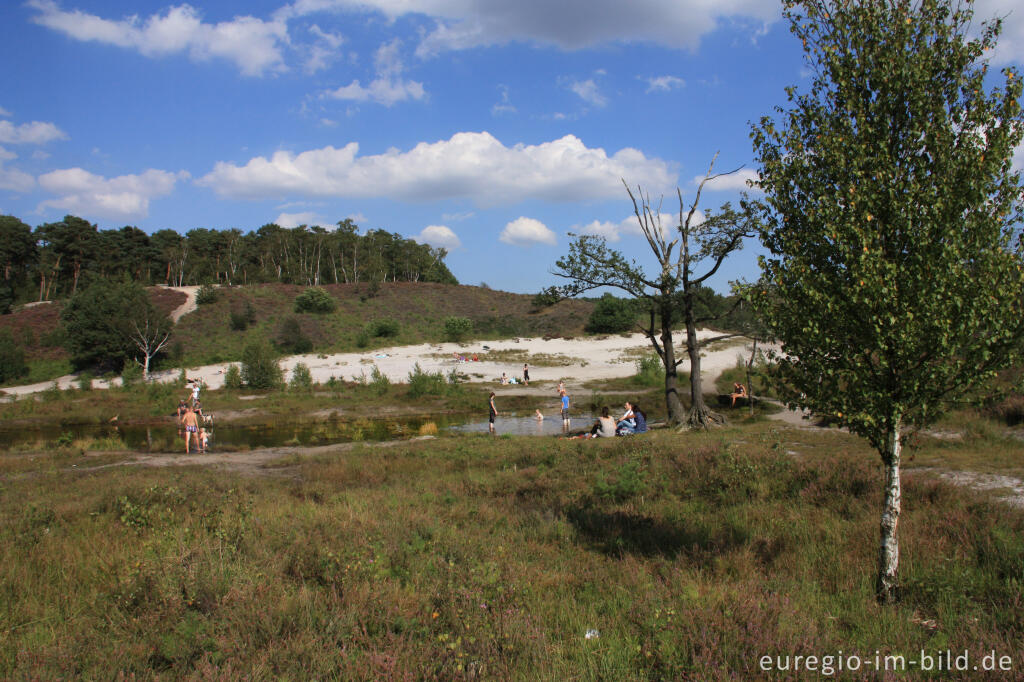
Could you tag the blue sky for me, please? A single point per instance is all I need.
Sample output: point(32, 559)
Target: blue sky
point(493, 128)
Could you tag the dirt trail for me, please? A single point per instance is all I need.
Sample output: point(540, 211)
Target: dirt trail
point(251, 462)
point(188, 306)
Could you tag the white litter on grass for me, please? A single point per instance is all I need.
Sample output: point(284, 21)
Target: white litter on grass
point(592, 634)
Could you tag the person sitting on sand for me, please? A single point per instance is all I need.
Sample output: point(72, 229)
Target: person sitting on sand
point(182, 405)
point(191, 428)
point(739, 391)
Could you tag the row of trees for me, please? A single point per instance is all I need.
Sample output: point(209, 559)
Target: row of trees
point(50, 261)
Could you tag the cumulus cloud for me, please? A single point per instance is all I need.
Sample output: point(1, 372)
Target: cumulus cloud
point(469, 165)
point(608, 230)
point(664, 83)
point(589, 92)
point(388, 88)
point(12, 179)
point(253, 45)
point(125, 197)
point(526, 232)
point(733, 182)
point(439, 235)
point(35, 132)
point(309, 218)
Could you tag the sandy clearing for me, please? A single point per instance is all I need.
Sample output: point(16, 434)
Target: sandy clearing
point(583, 359)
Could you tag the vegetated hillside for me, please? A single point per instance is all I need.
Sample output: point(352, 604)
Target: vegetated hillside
point(419, 309)
point(36, 326)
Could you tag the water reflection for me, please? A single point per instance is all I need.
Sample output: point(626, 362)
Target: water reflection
point(159, 438)
point(526, 426)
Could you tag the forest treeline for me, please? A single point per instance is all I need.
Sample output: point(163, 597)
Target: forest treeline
point(52, 260)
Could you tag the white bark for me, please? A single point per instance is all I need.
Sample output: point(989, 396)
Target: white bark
point(887, 587)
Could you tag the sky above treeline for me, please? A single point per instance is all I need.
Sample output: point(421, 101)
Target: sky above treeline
point(493, 129)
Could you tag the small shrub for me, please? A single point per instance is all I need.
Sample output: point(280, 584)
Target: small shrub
point(290, 338)
point(315, 300)
point(233, 378)
point(457, 328)
point(425, 383)
point(362, 339)
point(384, 328)
point(85, 381)
point(649, 372)
point(131, 374)
point(301, 379)
point(379, 381)
point(612, 315)
point(238, 320)
point(207, 294)
point(259, 366)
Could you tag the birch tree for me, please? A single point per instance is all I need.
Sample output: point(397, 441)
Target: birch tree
point(894, 281)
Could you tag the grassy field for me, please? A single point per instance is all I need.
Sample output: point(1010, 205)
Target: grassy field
point(684, 557)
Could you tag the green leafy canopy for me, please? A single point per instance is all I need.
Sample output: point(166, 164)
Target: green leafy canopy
point(891, 213)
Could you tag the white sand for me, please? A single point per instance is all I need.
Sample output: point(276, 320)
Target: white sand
point(581, 360)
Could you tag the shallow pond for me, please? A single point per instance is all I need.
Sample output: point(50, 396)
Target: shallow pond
point(163, 438)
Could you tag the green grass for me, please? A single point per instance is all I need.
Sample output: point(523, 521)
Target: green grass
point(490, 558)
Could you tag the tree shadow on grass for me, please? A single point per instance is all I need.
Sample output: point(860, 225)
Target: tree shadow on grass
point(618, 534)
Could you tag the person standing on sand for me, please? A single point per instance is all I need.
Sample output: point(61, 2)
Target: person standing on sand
point(191, 428)
point(526, 374)
point(493, 412)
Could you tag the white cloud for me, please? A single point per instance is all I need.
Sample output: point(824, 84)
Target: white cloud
point(35, 132)
point(12, 179)
point(505, 105)
point(388, 88)
point(1018, 158)
point(382, 91)
point(252, 44)
point(309, 218)
point(324, 51)
point(4, 112)
point(664, 83)
point(526, 232)
point(439, 235)
point(469, 165)
point(589, 92)
point(610, 231)
point(122, 198)
point(733, 182)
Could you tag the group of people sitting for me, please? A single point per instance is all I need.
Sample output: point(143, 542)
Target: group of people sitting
point(632, 421)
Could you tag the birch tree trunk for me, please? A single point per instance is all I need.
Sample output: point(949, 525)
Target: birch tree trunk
point(887, 585)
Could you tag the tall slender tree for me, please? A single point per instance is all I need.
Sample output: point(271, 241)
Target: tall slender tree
point(891, 211)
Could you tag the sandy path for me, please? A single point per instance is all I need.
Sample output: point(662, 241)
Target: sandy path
point(575, 361)
point(188, 306)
